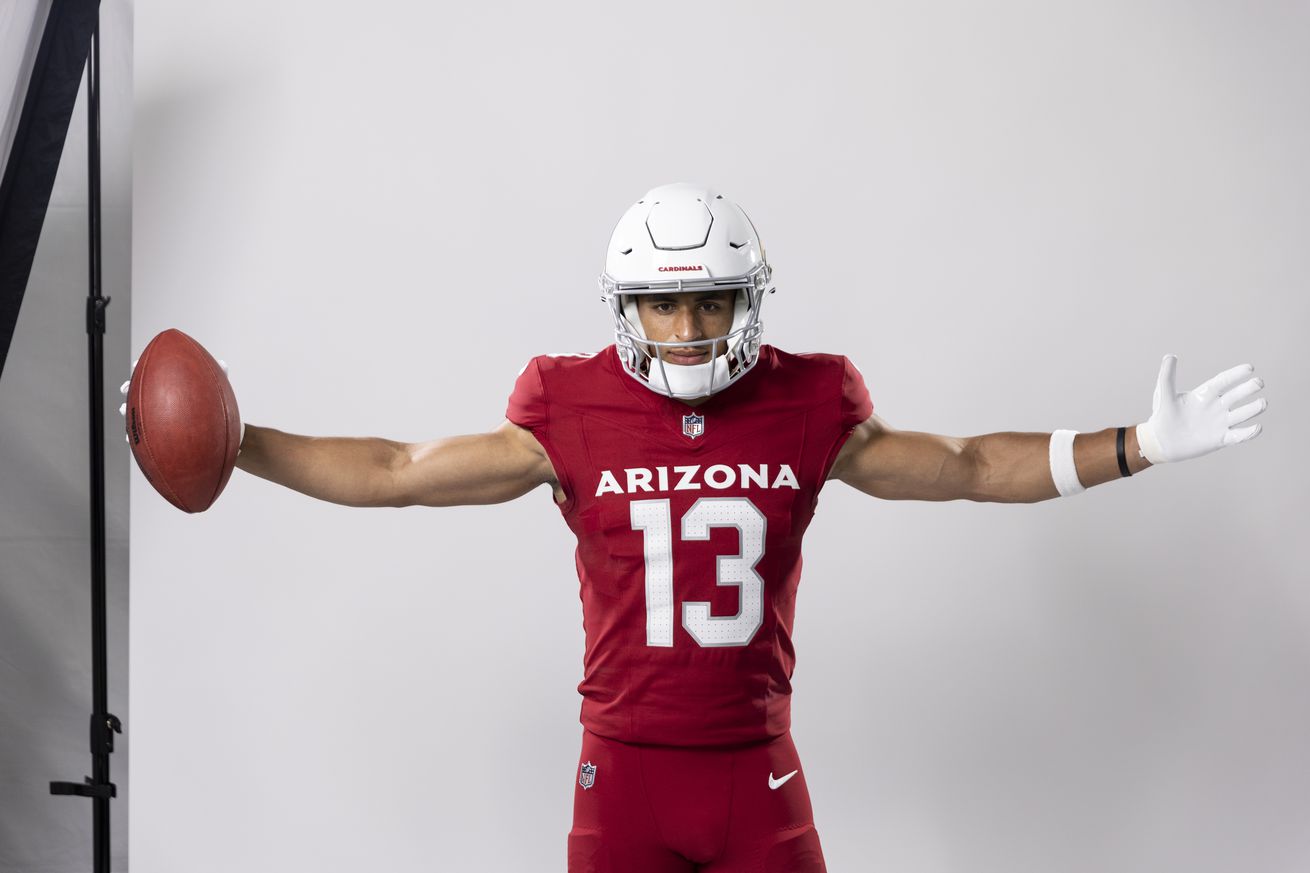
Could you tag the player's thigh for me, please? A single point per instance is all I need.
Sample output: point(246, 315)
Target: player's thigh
point(613, 827)
point(772, 825)
point(595, 851)
point(794, 851)
point(790, 850)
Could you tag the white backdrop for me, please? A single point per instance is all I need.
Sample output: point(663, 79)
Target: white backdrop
point(1005, 213)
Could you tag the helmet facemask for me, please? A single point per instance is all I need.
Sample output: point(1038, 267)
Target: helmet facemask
point(643, 357)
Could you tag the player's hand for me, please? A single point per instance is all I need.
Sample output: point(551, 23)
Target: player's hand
point(122, 407)
point(1203, 420)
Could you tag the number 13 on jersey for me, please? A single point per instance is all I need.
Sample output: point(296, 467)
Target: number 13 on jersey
point(654, 520)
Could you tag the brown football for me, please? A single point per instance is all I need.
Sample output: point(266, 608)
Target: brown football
point(182, 421)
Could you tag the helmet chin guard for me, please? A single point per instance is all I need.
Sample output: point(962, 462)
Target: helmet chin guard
point(685, 238)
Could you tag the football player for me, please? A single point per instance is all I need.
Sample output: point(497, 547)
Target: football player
point(687, 458)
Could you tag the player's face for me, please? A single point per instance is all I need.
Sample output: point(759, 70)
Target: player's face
point(686, 317)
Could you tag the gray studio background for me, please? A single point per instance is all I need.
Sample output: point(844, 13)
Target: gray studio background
point(1005, 213)
point(45, 508)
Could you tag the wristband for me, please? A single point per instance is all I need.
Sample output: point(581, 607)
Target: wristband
point(1119, 450)
point(1063, 472)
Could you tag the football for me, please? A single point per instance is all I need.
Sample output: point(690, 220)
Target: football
point(182, 421)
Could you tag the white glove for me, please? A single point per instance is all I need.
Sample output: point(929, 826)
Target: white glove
point(1203, 420)
point(122, 408)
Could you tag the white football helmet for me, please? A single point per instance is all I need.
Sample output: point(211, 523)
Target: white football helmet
point(678, 238)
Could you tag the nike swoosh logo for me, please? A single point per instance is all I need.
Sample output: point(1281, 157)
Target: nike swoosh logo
point(775, 784)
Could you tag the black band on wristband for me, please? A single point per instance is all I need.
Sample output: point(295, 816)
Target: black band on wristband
point(1119, 449)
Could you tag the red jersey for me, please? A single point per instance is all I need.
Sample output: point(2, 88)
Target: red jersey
point(689, 523)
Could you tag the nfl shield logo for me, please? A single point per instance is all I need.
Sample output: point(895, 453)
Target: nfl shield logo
point(587, 776)
point(693, 425)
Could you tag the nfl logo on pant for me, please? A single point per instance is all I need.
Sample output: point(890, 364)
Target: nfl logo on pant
point(693, 425)
point(587, 775)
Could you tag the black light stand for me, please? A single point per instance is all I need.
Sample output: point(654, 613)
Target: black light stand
point(103, 724)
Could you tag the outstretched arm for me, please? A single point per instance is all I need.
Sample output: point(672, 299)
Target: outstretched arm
point(1017, 467)
point(1005, 467)
point(370, 471)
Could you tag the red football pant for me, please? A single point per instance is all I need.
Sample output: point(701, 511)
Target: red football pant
point(661, 809)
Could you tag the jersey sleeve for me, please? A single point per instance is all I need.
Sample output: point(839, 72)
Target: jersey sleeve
point(527, 402)
point(856, 405)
